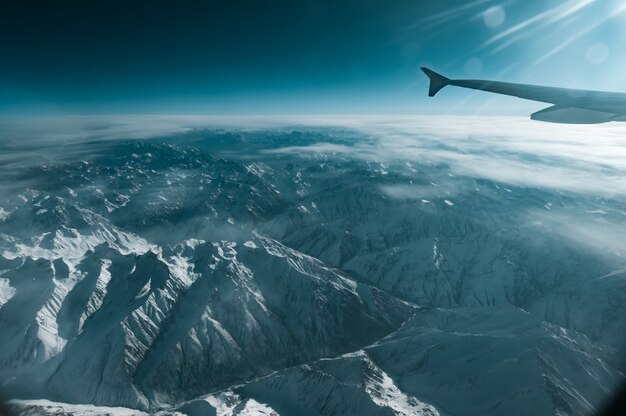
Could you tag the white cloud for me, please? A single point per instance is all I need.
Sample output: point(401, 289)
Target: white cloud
point(604, 238)
point(325, 148)
point(587, 159)
point(412, 192)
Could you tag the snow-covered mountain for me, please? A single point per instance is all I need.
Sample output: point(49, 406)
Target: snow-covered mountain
point(277, 272)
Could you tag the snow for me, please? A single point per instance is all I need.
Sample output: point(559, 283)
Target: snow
point(231, 404)
point(385, 393)
point(437, 256)
point(194, 242)
point(46, 317)
point(250, 244)
point(100, 291)
point(132, 305)
point(49, 408)
point(254, 408)
point(144, 291)
point(71, 245)
point(6, 291)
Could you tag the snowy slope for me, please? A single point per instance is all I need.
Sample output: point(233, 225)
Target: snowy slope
point(276, 272)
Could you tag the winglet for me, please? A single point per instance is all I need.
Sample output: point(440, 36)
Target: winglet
point(437, 81)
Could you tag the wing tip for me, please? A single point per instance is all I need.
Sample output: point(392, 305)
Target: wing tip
point(437, 81)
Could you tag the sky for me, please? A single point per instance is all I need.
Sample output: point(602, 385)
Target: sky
point(299, 57)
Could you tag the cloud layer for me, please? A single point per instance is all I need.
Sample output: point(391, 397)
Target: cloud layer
point(519, 152)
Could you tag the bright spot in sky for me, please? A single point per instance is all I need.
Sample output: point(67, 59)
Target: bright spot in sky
point(494, 16)
point(473, 67)
point(597, 53)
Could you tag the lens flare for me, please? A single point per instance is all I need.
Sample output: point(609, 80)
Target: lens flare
point(494, 16)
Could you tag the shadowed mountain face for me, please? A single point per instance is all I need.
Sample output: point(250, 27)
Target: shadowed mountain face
point(234, 272)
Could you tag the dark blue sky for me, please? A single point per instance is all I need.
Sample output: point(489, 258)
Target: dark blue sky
point(268, 56)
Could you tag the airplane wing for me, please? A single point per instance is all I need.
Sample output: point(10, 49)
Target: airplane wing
point(569, 105)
